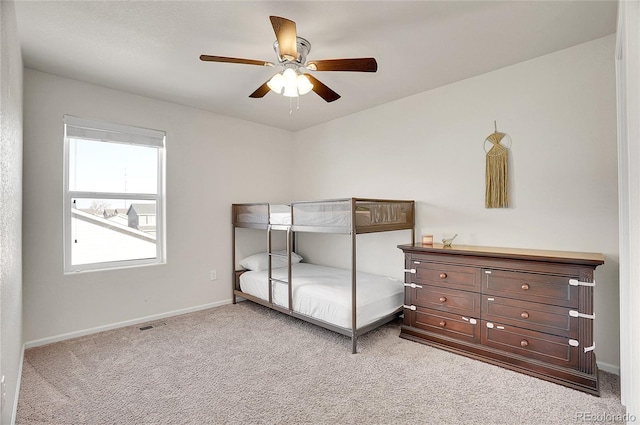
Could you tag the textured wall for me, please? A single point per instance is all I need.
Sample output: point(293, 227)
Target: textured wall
point(10, 206)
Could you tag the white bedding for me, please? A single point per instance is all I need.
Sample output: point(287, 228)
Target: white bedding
point(324, 293)
point(274, 218)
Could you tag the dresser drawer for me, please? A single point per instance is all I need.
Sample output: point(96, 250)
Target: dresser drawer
point(445, 275)
point(542, 288)
point(440, 322)
point(453, 301)
point(535, 316)
point(551, 349)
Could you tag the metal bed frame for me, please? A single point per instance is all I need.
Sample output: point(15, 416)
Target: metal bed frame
point(264, 223)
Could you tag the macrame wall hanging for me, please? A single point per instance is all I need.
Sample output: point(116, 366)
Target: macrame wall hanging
point(496, 174)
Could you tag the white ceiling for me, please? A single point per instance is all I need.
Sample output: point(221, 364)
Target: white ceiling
point(152, 48)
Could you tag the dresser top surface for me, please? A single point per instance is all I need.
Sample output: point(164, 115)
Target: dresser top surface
point(590, 258)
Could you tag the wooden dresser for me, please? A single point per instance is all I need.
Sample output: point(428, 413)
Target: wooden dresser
point(526, 310)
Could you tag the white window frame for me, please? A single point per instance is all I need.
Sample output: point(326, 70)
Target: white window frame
point(81, 128)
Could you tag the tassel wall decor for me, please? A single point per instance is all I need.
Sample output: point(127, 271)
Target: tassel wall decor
point(496, 175)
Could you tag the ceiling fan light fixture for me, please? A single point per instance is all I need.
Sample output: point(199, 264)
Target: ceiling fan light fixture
point(290, 90)
point(276, 83)
point(289, 75)
point(290, 84)
point(304, 85)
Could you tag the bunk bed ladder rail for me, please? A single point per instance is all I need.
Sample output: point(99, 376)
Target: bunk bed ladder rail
point(272, 254)
point(354, 311)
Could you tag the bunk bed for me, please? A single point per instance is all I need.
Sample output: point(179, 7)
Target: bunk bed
point(346, 301)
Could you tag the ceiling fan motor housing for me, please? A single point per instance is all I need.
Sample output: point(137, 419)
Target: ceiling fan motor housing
point(303, 46)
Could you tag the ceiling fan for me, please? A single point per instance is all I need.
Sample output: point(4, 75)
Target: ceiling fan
point(292, 52)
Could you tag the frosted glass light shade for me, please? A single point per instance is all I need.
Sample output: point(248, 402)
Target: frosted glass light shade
point(304, 85)
point(290, 91)
point(289, 76)
point(276, 83)
point(290, 83)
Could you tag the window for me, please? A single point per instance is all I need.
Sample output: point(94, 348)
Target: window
point(113, 195)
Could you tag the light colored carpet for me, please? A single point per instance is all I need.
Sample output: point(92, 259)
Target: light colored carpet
point(247, 364)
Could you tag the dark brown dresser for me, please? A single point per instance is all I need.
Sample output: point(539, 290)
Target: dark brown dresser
point(526, 310)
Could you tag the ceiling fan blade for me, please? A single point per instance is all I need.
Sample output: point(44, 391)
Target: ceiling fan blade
point(260, 91)
point(208, 58)
point(322, 90)
point(356, 64)
point(286, 35)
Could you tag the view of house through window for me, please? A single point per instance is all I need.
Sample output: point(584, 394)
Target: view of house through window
point(113, 195)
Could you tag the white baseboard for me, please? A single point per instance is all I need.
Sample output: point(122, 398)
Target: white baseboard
point(14, 413)
point(76, 334)
point(609, 368)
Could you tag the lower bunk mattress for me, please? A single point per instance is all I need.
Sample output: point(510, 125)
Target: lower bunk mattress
point(324, 293)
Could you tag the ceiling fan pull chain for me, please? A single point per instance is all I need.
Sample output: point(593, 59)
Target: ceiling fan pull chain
point(290, 106)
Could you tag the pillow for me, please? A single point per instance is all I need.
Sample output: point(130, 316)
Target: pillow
point(260, 261)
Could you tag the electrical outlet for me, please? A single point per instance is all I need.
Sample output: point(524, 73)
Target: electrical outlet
point(214, 275)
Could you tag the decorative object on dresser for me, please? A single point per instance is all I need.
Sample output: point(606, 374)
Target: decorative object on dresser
point(446, 243)
point(427, 239)
point(526, 310)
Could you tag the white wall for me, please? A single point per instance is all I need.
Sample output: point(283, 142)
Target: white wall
point(10, 208)
point(628, 82)
point(560, 112)
point(212, 161)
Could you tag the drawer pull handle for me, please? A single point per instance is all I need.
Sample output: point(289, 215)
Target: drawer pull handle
point(442, 323)
point(524, 343)
point(443, 299)
point(525, 287)
point(524, 315)
point(443, 275)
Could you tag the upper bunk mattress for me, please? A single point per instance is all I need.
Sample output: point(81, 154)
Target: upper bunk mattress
point(331, 216)
point(324, 293)
point(338, 213)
